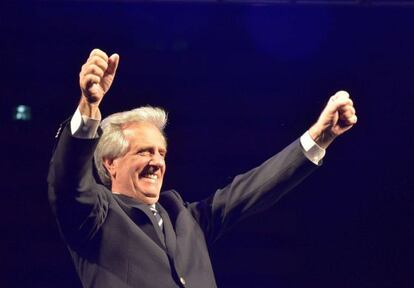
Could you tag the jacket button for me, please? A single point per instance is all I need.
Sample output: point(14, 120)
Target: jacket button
point(182, 280)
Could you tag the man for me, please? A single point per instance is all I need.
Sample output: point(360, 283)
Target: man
point(123, 232)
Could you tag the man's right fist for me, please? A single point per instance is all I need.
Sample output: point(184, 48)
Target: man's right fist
point(96, 75)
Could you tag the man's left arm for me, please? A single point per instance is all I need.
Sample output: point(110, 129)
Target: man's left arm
point(264, 185)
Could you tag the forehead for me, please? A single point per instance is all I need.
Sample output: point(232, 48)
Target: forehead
point(144, 134)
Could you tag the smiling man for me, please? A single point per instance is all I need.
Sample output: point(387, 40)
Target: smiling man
point(139, 170)
point(119, 229)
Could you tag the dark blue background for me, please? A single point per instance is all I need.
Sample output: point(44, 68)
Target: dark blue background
point(240, 82)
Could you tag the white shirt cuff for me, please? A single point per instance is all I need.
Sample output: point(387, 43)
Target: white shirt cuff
point(83, 127)
point(311, 149)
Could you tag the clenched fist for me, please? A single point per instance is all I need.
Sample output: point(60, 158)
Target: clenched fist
point(95, 79)
point(337, 117)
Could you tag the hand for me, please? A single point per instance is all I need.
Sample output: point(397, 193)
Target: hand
point(95, 79)
point(337, 117)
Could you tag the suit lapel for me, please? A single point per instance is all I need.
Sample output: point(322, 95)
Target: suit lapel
point(142, 217)
point(170, 237)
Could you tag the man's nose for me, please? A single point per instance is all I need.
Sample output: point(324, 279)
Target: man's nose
point(157, 160)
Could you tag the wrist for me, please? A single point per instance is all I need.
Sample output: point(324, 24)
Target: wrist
point(88, 109)
point(322, 137)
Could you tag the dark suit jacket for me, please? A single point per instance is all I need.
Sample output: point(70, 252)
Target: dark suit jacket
point(115, 242)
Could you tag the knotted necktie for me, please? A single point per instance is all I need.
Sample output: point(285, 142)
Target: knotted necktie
point(157, 216)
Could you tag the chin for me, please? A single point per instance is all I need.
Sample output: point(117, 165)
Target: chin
point(151, 198)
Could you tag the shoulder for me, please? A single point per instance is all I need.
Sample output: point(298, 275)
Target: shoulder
point(172, 199)
point(171, 195)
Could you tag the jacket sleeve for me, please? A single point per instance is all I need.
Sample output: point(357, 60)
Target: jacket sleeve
point(78, 201)
point(253, 191)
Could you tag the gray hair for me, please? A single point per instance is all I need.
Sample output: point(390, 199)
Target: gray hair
point(113, 144)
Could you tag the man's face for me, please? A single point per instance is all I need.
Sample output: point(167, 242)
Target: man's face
point(140, 172)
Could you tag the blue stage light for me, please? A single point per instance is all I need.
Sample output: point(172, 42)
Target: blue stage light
point(22, 113)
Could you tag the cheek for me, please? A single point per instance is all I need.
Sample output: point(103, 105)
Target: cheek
point(135, 165)
point(126, 167)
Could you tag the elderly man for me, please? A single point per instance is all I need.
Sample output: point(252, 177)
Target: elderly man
point(120, 230)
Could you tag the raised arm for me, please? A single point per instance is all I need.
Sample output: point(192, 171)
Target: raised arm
point(77, 200)
point(264, 185)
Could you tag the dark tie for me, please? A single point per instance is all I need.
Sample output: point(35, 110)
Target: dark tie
point(157, 216)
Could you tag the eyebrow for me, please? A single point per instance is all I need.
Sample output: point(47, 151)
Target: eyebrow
point(149, 147)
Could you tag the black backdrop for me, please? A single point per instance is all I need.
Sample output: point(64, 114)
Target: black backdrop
point(240, 81)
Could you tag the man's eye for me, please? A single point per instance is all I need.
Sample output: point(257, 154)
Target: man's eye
point(143, 153)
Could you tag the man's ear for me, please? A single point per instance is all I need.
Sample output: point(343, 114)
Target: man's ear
point(110, 166)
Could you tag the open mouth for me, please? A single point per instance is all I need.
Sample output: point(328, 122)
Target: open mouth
point(149, 174)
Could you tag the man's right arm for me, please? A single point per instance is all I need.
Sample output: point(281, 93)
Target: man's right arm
point(74, 194)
